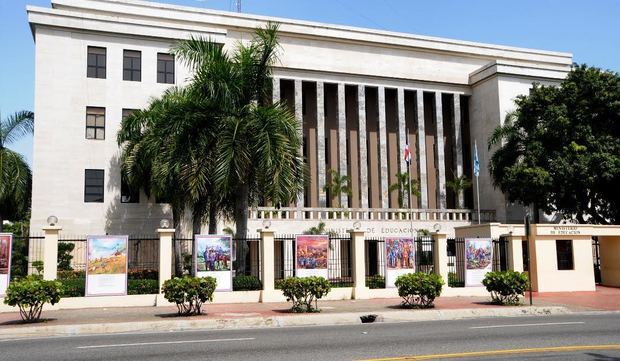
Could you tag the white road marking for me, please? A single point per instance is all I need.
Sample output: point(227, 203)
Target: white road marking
point(167, 343)
point(530, 324)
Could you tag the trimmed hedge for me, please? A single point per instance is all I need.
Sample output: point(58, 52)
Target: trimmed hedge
point(141, 282)
point(419, 290)
point(506, 287)
point(247, 283)
point(304, 291)
point(376, 281)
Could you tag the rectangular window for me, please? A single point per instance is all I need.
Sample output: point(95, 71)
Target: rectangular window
point(95, 123)
point(165, 68)
point(132, 65)
point(96, 62)
point(127, 112)
point(129, 194)
point(93, 185)
point(564, 251)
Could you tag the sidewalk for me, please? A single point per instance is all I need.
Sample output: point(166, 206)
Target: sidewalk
point(220, 316)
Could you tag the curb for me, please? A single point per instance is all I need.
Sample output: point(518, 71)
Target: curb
point(351, 318)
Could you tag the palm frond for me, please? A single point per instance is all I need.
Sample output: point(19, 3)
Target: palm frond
point(16, 126)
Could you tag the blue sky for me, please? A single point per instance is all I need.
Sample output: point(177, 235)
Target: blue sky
point(588, 29)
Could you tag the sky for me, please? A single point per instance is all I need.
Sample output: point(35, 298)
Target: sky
point(587, 29)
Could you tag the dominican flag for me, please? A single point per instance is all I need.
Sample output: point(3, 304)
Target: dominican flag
point(476, 160)
point(407, 154)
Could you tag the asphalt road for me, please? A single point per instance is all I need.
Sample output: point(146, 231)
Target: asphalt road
point(359, 342)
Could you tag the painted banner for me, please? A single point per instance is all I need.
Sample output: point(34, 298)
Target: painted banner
point(399, 257)
point(311, 255)
point(6, 243)
point(213, 257)
point(106, 265)
point(478, 260)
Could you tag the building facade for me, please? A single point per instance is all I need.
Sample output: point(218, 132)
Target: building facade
point(361, 95)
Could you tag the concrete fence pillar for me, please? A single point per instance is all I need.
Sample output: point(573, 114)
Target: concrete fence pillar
point(358, 263)
point(50, 252)
point(269, 293)
point(515, 253)
point(166, 236)
point(440, 255)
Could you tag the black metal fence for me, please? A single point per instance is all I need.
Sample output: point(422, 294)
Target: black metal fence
point(249, 246)
point(339, 267)
point(26, 255)
point(456, 259)
point(375, 252)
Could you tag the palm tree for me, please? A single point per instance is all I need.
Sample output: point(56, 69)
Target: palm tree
point(15, 175)
point(458, 185)
point(402, 186)
point(338, 185)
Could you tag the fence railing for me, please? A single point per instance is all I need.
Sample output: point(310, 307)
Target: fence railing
point(375, 259)
point(26, 251)
point(456, 259)
point(339, 267)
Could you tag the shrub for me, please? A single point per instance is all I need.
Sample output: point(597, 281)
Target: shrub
point(376, 281)
point(142, 287)
point(73, 287)
point(38, 266)
point(304, 291)
point(454, 281)
point(506, 287)
point(419, 290)
point(67, 275)
point(65, 256)
point(30, 294)
point(246, 283)
point(144, 274)
point(189, 293)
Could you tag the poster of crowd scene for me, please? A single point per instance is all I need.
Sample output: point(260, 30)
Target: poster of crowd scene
point(312, 252)
point(106, 268)
point(399, 258)
point(214, 258)
point(478, 260)
point(5, 261)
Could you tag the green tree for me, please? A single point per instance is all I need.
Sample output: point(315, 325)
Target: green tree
point(458, 185)
point(337, 186)
point(560, 149)
point(15, 175)
point(402, 186)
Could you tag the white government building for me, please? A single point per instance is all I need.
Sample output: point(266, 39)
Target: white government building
point(359, 93)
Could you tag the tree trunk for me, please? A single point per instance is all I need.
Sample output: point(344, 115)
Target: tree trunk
point(1, 224)
point(241, 224)
point(536, 213)
point(178, 255)
point(212, 218)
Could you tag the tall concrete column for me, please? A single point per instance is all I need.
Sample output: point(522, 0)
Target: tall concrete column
point(50, 252)
point(320, 134)
point(269, 293)
point(440, 255)
point(358, 262)
point(422, 149)
point(276, 90)
point(165, 254)
point(403, 137)
point(299, 115)
point(458, 146)
point(342, 139)
point(515, 253)
point(441, 158)
point(383, 156)
point(363, 154)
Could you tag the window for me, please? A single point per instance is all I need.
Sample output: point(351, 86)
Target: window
point(132, 65)
point(129, 194)
point(165, 68)
point(93, 185)
point(96, 62)
point(95, 123)
point(127, 112)
point(564, 251)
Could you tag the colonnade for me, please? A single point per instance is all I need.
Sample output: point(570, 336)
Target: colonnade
point(356, 123)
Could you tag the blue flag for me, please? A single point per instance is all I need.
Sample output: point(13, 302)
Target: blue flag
point(476, 160)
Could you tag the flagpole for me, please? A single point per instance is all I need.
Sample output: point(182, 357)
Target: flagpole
point(409, 182)
point(477, 173)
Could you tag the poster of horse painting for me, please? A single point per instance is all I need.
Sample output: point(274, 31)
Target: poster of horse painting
point(6, 241)
point(106, 265)
point(213, 257)
point(399, 256)
point(478, 260)
point(312, 253)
